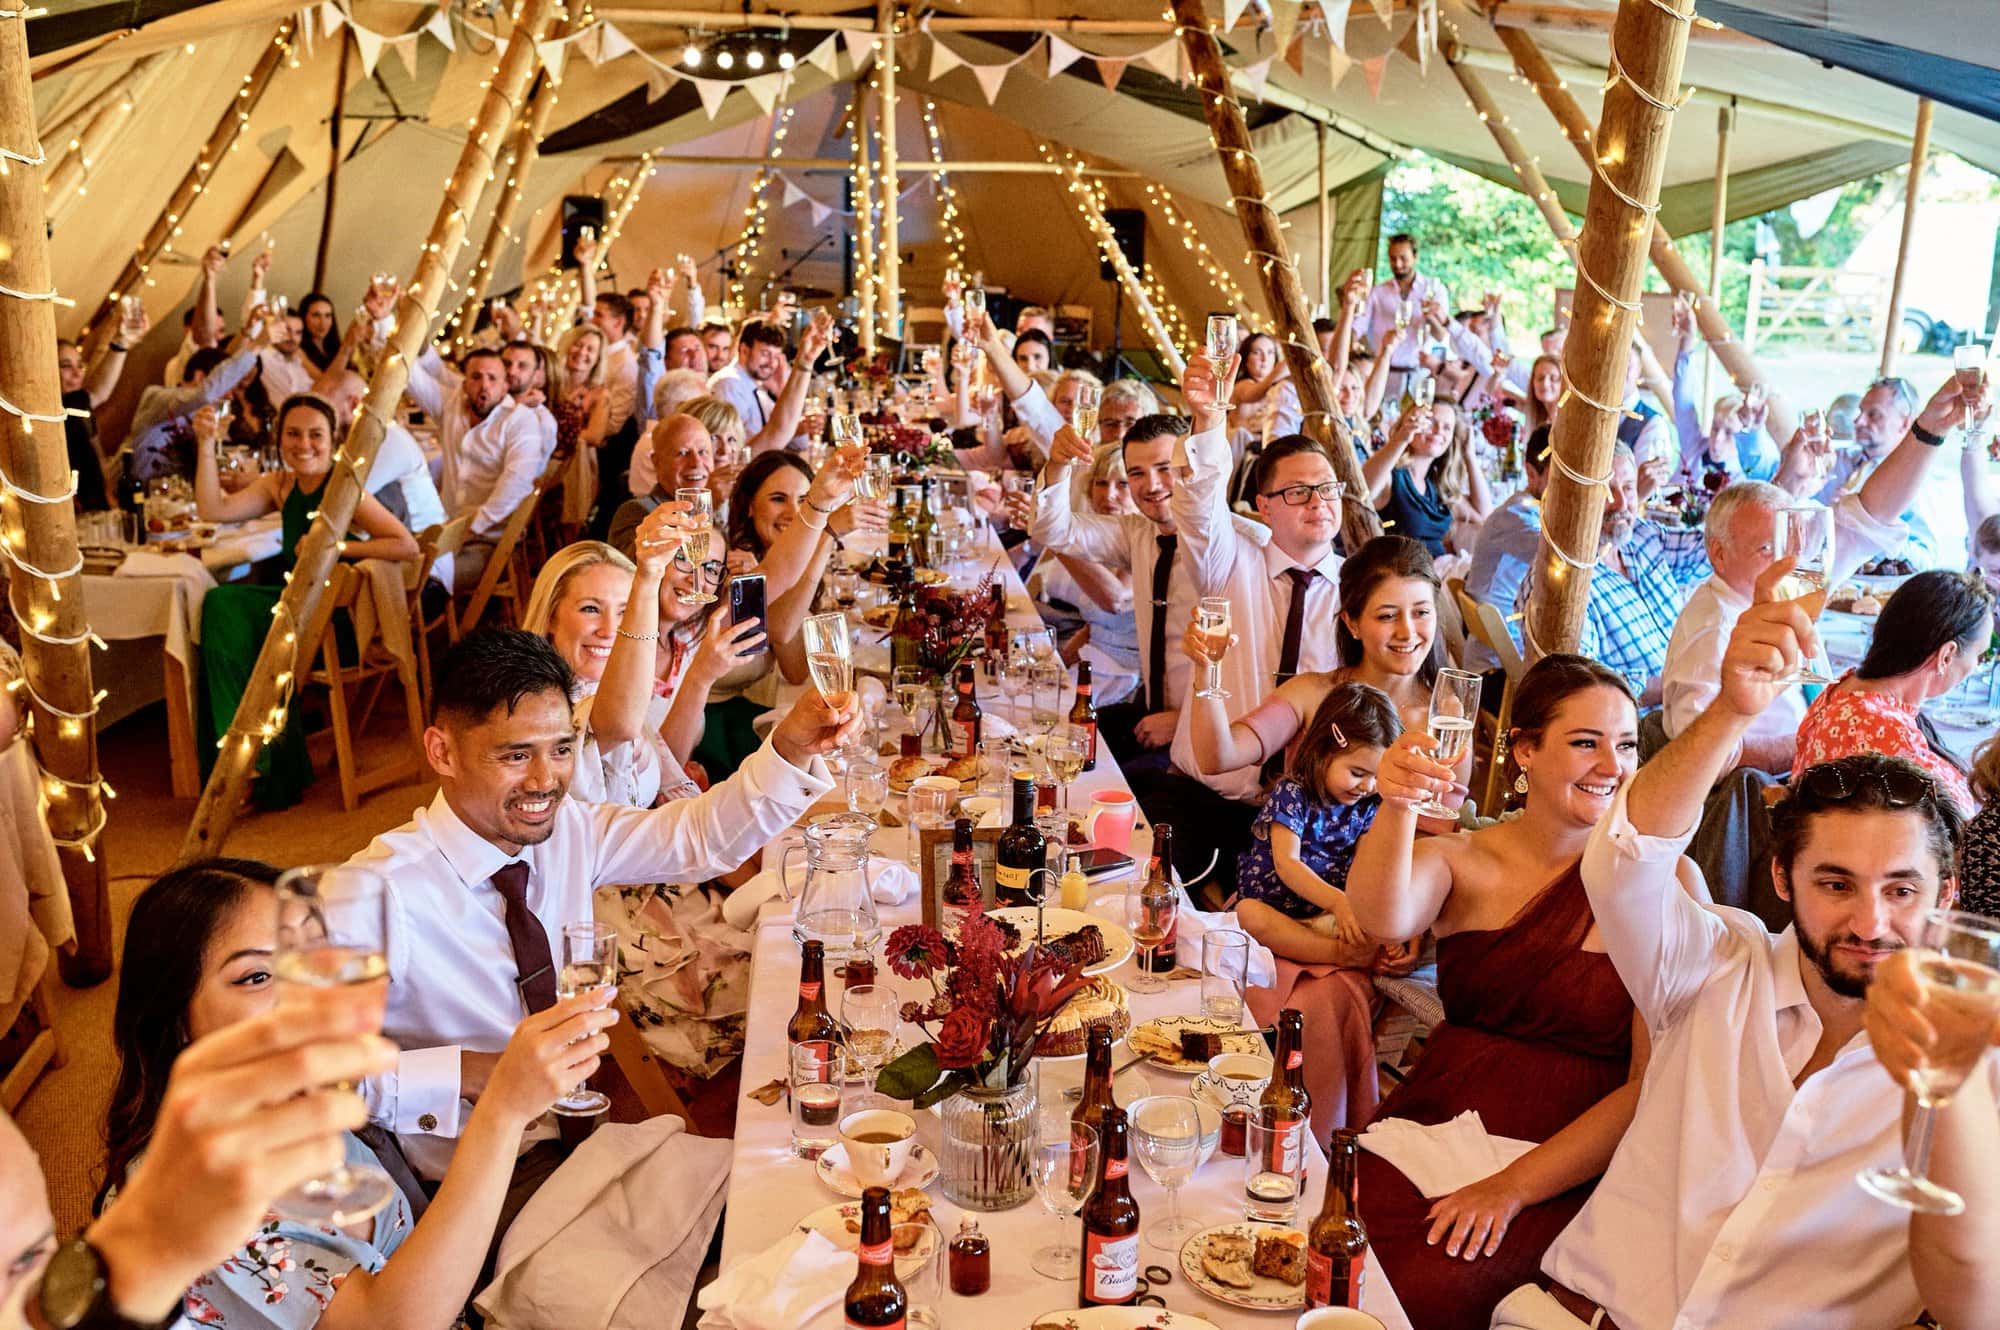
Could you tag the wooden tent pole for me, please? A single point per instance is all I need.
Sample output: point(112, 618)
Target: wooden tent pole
point(221, 140)
point(522, 151)
point(262, 711)
point(1650, 42)
point(1920, 152)
point(863, 196)
point(1533, 183)
point(38, 527)
point(1114, 254)
point(1555, 94)
point(59, 136)
point(1311, 375)
point(333, 127)
point(70, 177)
point(1725, 126)
point(889, 247)
point(1324, 229)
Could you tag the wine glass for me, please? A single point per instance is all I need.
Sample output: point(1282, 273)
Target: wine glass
point(1968, 364)
point(829, 656)
point(1958, 963)
point(1221, 338)
point(330, 949)
point(1065, 1167)
point(915, 696)
point(870, 1013)
point(1806, 534)
point(1046, 679)
point(1149, 918)
point(975, 299)
point(1211, 616)
point(1016, 675)
point(867, 785)
point(697, 528)
point(846, 430)
point(1454, 714)
point(1166, 1135)
point(1065, 750)
point(590, 963)
point(1083, 412)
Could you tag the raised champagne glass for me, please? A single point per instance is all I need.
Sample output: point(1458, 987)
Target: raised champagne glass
point(1083, 412)
point(1221, 342)
point(1211, 619)
point(697, 529)
point(590, 963)
point(1806, 534)
point(829, 656)
point(1453, 715)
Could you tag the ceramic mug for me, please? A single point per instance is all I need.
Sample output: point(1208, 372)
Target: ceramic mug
point(1110, 820)
point(878, 1162)
point(1236, 1079)
point(1337, 1318)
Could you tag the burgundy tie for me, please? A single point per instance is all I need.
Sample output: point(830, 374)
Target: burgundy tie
point(1295, 621)
point(530, 941)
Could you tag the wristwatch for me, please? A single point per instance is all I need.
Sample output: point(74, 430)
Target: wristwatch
point(76, 1293)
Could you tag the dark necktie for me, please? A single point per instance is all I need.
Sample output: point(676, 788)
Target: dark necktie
point(530, 941)
point(1156, 650)
point(389, 1153)
point(1295, 621)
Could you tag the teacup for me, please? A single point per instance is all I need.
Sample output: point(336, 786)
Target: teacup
point(878, 1143)
point(1337, 1318)
point(983, 809)
point(1236, 1079)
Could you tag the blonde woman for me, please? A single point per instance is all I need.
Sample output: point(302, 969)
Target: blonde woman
point(1425, 477)
point(582, 410)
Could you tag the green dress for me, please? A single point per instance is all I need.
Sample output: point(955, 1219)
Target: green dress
point(235, 617)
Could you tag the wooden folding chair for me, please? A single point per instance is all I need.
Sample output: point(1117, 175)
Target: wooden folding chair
point(1485, 624)
point(34, 1035)
point(506, 577)
point(367, 676)
point(433, 543)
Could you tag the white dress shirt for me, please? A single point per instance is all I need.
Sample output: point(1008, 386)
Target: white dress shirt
point(1731, 1200)
point(1382, 304)
point(452, 975)
point(489, 464)
point(621, 387)
point(400, 468)
point(1228, 559)
point(1692, 675)
point(733, 384)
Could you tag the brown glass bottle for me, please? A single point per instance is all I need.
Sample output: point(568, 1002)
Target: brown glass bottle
point(963, 733)
point(1022, 849)
point(1160, 878)
point(1083, 713)
point(1337, 1243)
point(1285, 1107)
point(1096, 1087)
point(1110, 1268)
point(876, 1299)
point(961, 886)
point(969, 1260)
point(996, 636)
point(811, 1022)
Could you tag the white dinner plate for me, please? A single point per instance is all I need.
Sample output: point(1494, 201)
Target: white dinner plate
point(1265, 1294)
point(832, 1224)
point(1058, 922)
point(1120, 1318)
point(1234, 1040)
point(920, 1171)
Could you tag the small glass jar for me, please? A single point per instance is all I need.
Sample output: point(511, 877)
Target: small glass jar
point(971, 1260)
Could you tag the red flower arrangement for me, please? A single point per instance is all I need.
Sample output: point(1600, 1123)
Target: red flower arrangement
point(948, 626)
point(986, 1013)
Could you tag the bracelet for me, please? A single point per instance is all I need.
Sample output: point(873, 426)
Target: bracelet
point(121, 350)
point(823, 512)
point(1924, 436)
point(638, 637)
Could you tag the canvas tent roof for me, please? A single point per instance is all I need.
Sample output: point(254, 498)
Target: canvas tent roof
point(1803, 126)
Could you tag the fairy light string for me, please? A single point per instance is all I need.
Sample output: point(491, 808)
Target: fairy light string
point(950, 208)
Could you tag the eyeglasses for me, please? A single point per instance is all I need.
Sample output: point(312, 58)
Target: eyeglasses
point(710, 568)
point(1837, 783)
point(1298, 496)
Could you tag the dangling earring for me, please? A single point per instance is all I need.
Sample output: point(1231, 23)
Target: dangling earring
point(1521, 783)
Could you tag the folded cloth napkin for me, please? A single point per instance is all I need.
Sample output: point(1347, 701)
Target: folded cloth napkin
point(155, 563)
point(1441, 1159)
point(893, 881)
point(1190, 924)
point(781, 1287)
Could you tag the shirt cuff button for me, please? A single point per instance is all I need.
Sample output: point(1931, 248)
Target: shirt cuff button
point(428, 1122)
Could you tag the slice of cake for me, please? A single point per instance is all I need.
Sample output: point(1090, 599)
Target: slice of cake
point(1226, 1258)
point(1281, 1254)
point(1099, 1002)
point(1200, 1045)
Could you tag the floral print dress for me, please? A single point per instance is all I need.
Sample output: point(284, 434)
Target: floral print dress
point(1844, 720)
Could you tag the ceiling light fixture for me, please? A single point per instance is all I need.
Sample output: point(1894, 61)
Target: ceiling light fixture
point(723, 60)
point(754, 58)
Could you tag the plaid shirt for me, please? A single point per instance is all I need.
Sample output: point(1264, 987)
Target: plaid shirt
point(1629, 617)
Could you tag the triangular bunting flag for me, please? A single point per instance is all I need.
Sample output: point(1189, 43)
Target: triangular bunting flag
point(1232, 10)
point(330, 18)
point(590, 43)
point(1338, 63)
point(860, 47)
point(658, 80)
point(712, 92)
point(1384, 10)
point(1166, 57)
point(793, 194)
point(1253, 77)
point(1335, 14)
point(405, 48)
point(764, 91)
point(943, 60)
point(370, 46)
point(1284, 23)
point(552, 55)
point(1374, 69)
point(1406, 45)
point(1061, 56)
point(820, 212)
point(990, 78)
point(613, 42)
point(1110, 71)
point(439, 26)
point(1295, 55)
point(825, 57)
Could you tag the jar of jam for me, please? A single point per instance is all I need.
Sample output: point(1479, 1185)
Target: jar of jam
point(970, 1258)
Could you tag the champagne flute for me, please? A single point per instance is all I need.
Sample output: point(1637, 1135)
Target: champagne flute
point(829, 656)
point(696, 529)
point(1454, 712)
point(1958, 963)
point(1046, 681)
point(590, 964)
point(1149, 918)
point(1211, 616)
point(846, 429)
point(1221, 338)
point(1166, 1135)
point(1806, 534)
point(975, 299)
point(914, 696)
point(870, 1013)
point(1968, 365)
point(1083, 412)
point(332, 921)
point(1065, 1168)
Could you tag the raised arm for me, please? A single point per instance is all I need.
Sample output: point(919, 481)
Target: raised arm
point(1397, 886)
point(1892, 487)
point(783, 426)
point(1377, 386)
point(1379, 467)
point(211, 502)
point(1222, 744)
point(1202, 462)
point(104, 375)
point(1353, 305)
point(1973, 475)
point(207, 314)
point(618, 711)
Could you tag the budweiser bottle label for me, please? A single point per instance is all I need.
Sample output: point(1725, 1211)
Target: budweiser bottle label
point(1113, 1265)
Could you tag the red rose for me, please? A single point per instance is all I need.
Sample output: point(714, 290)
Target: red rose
point(961, 1040)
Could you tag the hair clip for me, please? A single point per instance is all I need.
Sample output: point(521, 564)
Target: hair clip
point(1338, 737)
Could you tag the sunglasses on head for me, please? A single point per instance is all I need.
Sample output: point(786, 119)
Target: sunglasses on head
point(1835, 783)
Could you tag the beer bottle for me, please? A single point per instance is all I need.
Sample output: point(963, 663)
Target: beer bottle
point(1110, 1266)
point(996, 635)
point(1285, 1107)
point(1337, 1244)
point(812, 1023)
point(1160, 878)
point(965, 715)
point(876, 1300)
point(1083, 713)
point(961, 888)
point(1096, 1088)
point(1022, 848)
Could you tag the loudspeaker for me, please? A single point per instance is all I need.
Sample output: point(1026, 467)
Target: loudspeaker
point(579, 211)
point(1129, 225)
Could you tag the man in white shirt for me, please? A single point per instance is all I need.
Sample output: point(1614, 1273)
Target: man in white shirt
point(483, 880)
point(718, 346)
point(745, 383)
point(1401, 300)
point(527, 367)
point(1887, 412)
point(491, 452)
point(1732, 1201)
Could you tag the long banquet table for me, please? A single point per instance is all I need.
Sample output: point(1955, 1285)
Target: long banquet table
point(770, 1190)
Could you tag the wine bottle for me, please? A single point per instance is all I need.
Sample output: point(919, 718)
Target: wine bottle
point(922, 525)
point(997, 637)
point(1160, 876)
point(876, 1299)
point(1109, 1276)
point(965, 715)
point(961, 887)
point(1022, 849)
point(906, 638)
point(1285, 1107)
point(1337, 1244)
point(811, 1022)
point(900, 523)
point(1083, 713)
point(1096, 1088)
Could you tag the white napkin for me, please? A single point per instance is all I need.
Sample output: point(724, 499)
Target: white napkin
point(1191, 923)
point(781, 1287)
point(154, 563)
point(1439, 1160)
point(893, 880)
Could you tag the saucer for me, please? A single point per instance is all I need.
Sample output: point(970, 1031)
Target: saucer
point(920, 1171)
